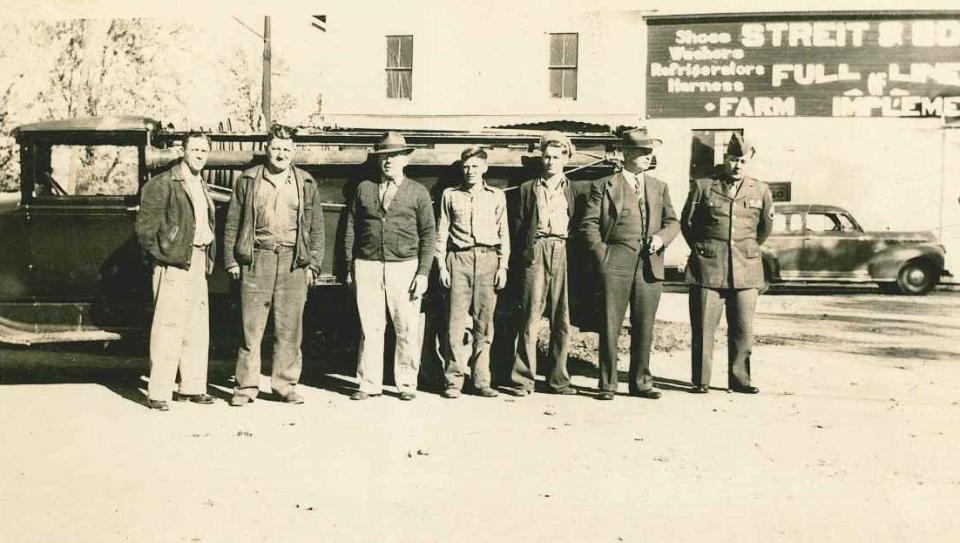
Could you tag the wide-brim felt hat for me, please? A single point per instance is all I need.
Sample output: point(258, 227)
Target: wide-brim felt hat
point(638, 139)
point(392, 143)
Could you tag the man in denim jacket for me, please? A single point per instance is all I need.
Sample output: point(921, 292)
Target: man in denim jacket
point(273, 243)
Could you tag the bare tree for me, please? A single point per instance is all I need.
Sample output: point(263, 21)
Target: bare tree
point(242, 96)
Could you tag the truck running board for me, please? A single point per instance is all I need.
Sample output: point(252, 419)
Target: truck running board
point(17, 336)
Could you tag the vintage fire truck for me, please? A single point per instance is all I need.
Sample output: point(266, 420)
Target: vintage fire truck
point(71, 269)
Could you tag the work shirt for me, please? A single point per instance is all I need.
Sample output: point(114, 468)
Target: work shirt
point(552, 207)
point(472, 217)
point(202, 234)
point(277, 204)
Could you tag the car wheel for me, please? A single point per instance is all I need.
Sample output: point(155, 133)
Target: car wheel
point(915, 278)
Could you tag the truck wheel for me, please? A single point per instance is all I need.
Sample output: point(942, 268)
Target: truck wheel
point(916, 277)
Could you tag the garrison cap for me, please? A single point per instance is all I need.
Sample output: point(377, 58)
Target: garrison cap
point(739, 146)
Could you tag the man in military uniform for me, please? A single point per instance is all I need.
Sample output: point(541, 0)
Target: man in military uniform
point(726, 218)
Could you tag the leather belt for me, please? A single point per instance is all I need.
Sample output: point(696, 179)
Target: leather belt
point(271, 246)
point(478, 248)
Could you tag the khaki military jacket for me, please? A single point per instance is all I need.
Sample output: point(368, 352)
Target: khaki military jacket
point(725, 233)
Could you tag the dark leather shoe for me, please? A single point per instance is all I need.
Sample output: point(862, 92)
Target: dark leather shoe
point(239, 400)
point(568, 391)
point(606, 396)
point(487, 392)
point(159, 405)
point(293, 397)
point(407, 396)
point(700, 389)
point(204, 399)
point(519, 391)
point(649, 393)
point(745, 390)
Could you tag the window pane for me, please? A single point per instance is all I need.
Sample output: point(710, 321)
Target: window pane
point(393, 52)
point(556, 49)
point(570, 84)
point(786, 222)
point(570, 50)
point(817, 222)
point(91, 170)
point(556, 83)
point(406, 51)
point(406, 84)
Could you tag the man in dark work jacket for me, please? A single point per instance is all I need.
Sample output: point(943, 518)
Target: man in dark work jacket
point(725, 220)
point(389, 245)
point(628, 222)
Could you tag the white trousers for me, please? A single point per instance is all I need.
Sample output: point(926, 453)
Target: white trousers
point(384, 288)
point(180, 334)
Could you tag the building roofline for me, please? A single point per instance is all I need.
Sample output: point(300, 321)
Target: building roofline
point(794, 15)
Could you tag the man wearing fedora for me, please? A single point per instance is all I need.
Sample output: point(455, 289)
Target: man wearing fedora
point(726, 218)
point(389, 246)
point(627, 224)
point(473, 248)
point(542, 225)
point(273, 243)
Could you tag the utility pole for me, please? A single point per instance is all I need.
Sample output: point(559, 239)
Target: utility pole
point(265, 93)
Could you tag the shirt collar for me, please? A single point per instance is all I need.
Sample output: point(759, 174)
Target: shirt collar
point(633, 178)
point(395, 182)
point(558, 181)
point(187, 174)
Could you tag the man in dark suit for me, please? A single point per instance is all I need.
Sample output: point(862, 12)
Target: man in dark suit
point(627, 224)
point(542, 226)
point(726, 218)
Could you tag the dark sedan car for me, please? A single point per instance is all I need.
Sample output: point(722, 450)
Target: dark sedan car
point(821, 243)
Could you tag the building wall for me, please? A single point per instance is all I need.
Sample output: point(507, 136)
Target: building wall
point(479, 65)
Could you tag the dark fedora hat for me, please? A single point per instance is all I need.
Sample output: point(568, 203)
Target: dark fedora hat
point(392, 143)
point(638, 139)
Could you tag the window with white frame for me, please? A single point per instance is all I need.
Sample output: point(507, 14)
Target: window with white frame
point(563, 65)
point(400, 67)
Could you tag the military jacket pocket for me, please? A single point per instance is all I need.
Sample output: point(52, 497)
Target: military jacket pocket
point(706, 250)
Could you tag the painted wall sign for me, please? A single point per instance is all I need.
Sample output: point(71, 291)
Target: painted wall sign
point(791, 67)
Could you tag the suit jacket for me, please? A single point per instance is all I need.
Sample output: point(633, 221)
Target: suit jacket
point(603, 208)
point(525, 222)
point(725, 233)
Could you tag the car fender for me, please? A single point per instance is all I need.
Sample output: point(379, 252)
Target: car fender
point(885, 265)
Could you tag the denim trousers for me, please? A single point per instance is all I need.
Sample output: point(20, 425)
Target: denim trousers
point(544, 290)
point(180, 333)
point(271, 282)
point(473, 300)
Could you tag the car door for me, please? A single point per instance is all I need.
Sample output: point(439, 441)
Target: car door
point(786, 242)
point(85, 265)
point(833, 247)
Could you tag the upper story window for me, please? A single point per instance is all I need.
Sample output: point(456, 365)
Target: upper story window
point(400, 67)
point(563, 66)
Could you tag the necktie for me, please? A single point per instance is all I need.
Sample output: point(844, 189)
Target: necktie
point(732, 189)
point(388, 192)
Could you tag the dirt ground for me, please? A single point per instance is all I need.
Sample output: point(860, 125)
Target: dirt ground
point(854, 437)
